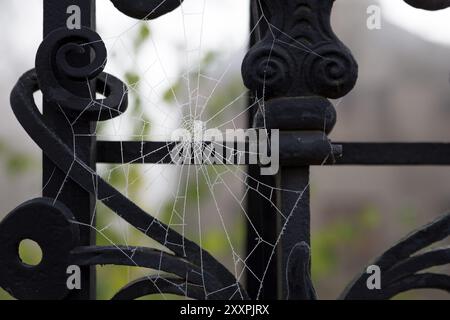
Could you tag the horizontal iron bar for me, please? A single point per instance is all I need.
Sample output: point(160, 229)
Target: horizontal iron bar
point(118, 152)
point(374, 154)
point(405, 154)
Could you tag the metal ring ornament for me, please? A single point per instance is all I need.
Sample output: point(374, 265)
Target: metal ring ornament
point(50, 224)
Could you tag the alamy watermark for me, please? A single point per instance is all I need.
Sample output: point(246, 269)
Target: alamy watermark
point(237, 146)
point(74, 278)
point(74, 19)
point(374, 17)
point(373, 281)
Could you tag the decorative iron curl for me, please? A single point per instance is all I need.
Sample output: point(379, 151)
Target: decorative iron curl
point(400, 267)
point(146, 9)
point(297, 39)
point(298, 276)
point(184, 271)
point(57, 72)
point(328, 70)
point(186, 262)
point(155, 284)
point(272, 69)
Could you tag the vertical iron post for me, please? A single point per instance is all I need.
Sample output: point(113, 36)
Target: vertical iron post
point(262, 274)
point(294, 64)
point(294, 226)
point(56, 185)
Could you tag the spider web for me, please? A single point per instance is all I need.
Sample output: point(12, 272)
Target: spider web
point(174, 86)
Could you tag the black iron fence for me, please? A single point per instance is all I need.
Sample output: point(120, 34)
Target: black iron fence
point(294, 65)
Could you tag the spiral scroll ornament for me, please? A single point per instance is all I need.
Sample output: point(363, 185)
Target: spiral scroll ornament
point(55, 67)
point(298, 53)
point(326, 72)
point(272, 70)
point(51, 224)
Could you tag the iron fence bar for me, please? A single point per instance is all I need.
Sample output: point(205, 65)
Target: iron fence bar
point(404, 154)
point(261, 275)
point(261, 280)
point(293, 256)
point(353, 153)
point(55, 182)
point(293, 69)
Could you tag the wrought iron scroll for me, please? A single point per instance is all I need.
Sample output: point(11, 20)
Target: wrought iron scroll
point(403, 269)
point(51, 223)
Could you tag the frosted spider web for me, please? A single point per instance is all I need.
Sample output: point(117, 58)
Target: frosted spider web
point(173, 86)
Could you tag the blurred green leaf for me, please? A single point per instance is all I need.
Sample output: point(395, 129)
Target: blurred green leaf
point(142, 36)
point(132, 79)
point(170, 94)
point(5, 295)
point(370, 218)
point(18, 163)
point(209, 58)
point(325, 242)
